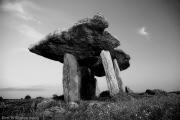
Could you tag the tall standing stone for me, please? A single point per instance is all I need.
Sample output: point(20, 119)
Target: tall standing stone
point(118, 76)
point(97, 89)
point(71, 79)
point(88, 84)
point(110, 74)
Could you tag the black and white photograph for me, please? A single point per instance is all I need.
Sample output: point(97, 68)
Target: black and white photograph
point(90, 59)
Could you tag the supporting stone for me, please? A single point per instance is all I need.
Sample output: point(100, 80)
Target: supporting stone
point(88, 84)
point(97, 89)
point(110, 74)
point(71, 79)
point(118, 76)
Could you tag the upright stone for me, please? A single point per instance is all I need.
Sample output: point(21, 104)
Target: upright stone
point(110, 74)
point(71, 79)
point(97, 89)
point(88, 84)
point(118, 77)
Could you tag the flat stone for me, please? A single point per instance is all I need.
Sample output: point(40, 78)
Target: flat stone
point(85, 41)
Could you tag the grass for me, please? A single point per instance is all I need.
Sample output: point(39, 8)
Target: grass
point(120, 107)
point(16, 108)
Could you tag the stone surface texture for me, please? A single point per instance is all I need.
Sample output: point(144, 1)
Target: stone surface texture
point(118, 76)
point(71, 79)
point(88, 84)
point(85, 40)
point(73, 105)
point(155, 92)
point(112, 82)
point(97, 89)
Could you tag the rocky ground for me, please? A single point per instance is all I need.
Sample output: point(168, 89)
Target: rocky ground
point(150, 105)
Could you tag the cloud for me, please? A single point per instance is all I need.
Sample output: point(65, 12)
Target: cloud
point(19, 9)
point(23, 89)
point(31, 32)
point(142, 31)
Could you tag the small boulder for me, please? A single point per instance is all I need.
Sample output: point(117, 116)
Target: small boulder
point(73, 105)
point(155, 92)
point(158, 91)
point(97, 104)
point(128, 90)
point(97, 89)
point(105, 94)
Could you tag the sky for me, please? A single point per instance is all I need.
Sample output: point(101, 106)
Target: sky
point(148, 30)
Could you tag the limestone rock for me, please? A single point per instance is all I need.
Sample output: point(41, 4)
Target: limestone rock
point(85, 40)
point(150, 92)
point(71, 79)
point(73, 105)
point(155, 92)
point(118, 77)
point(105, 94)
point(96, 104)
point(97, 89)
point(159, 91)
point(112, 82)
point(88, 84)
point(128, 90)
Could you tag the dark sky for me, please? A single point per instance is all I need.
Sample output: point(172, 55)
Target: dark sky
point(148, 30)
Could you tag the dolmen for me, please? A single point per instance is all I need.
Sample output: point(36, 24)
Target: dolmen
point(86, 50)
